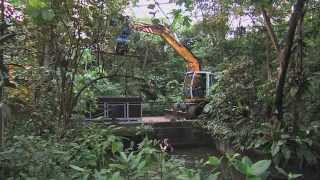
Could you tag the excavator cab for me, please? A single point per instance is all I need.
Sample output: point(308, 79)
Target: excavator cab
point(197, 85)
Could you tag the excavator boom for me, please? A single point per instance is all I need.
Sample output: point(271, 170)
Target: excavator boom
point(192, 62)
point(196, 84)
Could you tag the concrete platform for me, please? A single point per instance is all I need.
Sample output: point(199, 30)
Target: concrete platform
point(179, 132)
point(155, 119)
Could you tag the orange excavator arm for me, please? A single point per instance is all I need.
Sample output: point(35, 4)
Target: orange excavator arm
point(192, 62)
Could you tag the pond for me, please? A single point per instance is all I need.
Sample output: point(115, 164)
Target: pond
point(191, 155)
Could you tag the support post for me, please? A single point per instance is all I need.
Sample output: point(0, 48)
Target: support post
point(105, 110)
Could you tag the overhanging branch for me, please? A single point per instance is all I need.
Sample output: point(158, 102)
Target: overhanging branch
point(270, 30)
point(75, 101)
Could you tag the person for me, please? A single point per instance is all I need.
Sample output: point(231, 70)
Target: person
point(165, 146)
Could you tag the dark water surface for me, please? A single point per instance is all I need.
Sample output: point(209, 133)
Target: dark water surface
point(192, 155)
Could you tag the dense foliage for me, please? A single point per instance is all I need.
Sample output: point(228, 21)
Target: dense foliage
point(95, 152)
point(244, 105)
point(57, 56)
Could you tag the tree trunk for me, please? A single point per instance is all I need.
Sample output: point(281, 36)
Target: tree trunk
point(2, 74)
point(268, 65)
point(284, 57)
point(268, 60)
point(1, 128)
point(298, 75)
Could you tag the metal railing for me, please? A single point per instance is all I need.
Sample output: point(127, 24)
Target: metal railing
point(121, 112)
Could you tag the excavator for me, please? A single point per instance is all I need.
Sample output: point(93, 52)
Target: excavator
point(197, 83)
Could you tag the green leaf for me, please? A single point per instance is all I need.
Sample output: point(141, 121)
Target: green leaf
point(232, 157)
point(77, 168)
point(155, 21)
point(55, 151)
point(118, 166)
point(116, 176)
point(294, 176)
point(281, 171)
point(34, 13)
point(36, 3)
point(116, 147)
point(260, 167)
point(275, 148)
point(123, 156)
point(177, 14)
point(246, 160)
point(214, 161)
point(262, 3)
point(260, 142)
point(16, 2)
point(188, 3)
point(243, 168)
point(141, 165)
point(47, 14)
point(186, 21)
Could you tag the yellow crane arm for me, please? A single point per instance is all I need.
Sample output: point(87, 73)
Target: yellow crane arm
point(192, 62)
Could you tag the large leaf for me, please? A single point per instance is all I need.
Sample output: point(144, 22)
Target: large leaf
point(241, 167)
point(275, 148)
point(36, 3)
point(294, 176)
point(214, 161)
point(16, 2)
point(246, 160)
point(282, 171)
point(116, 146)
point(177, 16)
point(77, 168)
point(123, 157)
point(47, 14)
point(260, 167)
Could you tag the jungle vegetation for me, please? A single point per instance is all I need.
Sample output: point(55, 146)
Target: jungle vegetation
point(56, 56)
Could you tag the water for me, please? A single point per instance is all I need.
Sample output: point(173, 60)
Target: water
point(192, 155)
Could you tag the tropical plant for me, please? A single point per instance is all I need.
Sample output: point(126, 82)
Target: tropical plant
point(257, 170)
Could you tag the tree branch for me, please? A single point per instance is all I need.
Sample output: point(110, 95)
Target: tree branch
point(75, 101)
point(270, 30)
